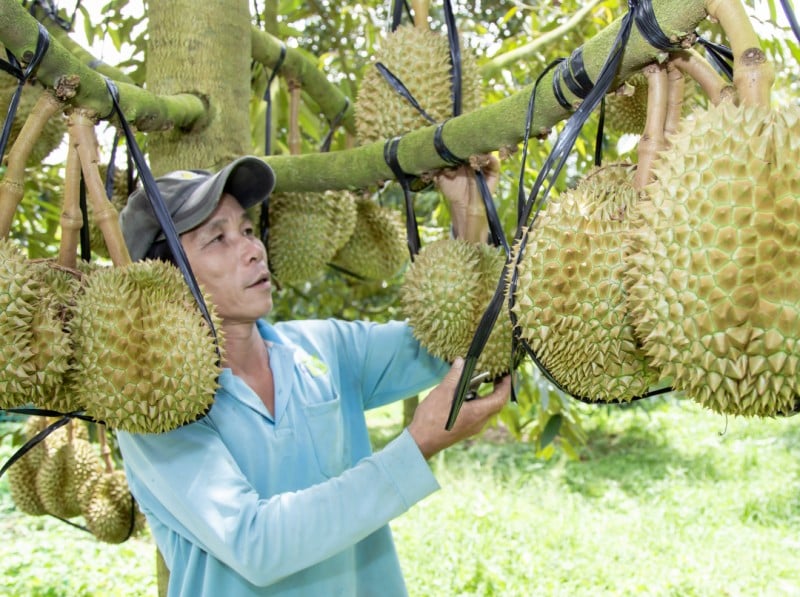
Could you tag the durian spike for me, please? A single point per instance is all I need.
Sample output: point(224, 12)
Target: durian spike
point(71, 216)
point(675, 94)
point(105, 451)
point(652, 140)
point(294, 139)
point(700, 70)
point(753, 74)
point(12, 185)
point(421, 9)
point(82, 136)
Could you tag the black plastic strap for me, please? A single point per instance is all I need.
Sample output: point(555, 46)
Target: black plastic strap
point(575, 76)
point(651, 31)
point(790, 16)
point(51, 11)
point(397, 13)
point(161, 212)
point(442, 150)
point(455, 57)
point(268, 99)
point(557, 91)
point(86, 243)
point(401, 89)
point(720, 57)
point(599, 140)
point(13, 67)
point(412, 230)
point(32, 442)
point(326, 143)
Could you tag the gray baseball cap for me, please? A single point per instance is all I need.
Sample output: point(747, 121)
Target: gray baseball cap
point(190, 197)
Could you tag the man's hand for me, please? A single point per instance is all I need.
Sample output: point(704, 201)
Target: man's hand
point(428, 426)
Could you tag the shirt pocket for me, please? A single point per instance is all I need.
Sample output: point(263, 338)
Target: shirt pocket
point(326, 428)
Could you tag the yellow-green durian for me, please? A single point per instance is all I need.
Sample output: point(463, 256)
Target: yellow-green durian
point(714, 275)
point(421, 60)
point(440, 295)
point(67, 469)
point(305, 232)
point(377, 249)
point(145, 359)
point(626, 107)
point(54, 130)
point(568, 299)
point(19, 293)
point(51, 346)
point(111, 513)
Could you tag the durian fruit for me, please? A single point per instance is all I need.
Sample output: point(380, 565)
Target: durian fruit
point(305, 232)
point(111, 513)
point(19, 292)
point(51, 346)
point(68, 468)
point(444, 295)
point(377, 249)
point(421, 60)
point(626, 107)
point(568, 300)
point(53, 132)
point(23, 473)
point(145, 359)
point(714, 268)
point(119, 198)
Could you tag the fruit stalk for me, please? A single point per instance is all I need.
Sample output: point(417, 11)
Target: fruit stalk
point(71, 216)
point(652, 140)
point(691, 63)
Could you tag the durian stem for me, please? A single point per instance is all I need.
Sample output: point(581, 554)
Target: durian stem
point(82, 137)
point(12, 187)
point(676, 83)
point(294, 139)
point(700, 70)
point(105, 451)
point(753, 74)
point(421, 10)
point(652, 140)
point(71, 216)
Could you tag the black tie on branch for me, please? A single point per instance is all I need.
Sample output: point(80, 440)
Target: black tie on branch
point(51, 12)
point(412, 230)
point(720, 57)
point(573, 72)
point(790, 16)
point(397, 13)
point(455, 57)
point(495, 226)
point(548, 174)
point(334, 124)
point(13, 67)
point(86, 243)
point(162, 214)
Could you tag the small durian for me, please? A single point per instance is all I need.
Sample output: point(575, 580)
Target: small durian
point(19, 294)
point(568, 300)
point(420, 59)
point(714, 263)
point(377, 249)
point(626, 107)
point(305, 232)
point(146, 361)
point(111, 513)
point(69, 467)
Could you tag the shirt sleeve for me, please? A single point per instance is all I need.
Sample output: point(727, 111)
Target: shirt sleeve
point(265, 540)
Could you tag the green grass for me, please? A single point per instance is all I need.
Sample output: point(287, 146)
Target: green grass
point(667, 499)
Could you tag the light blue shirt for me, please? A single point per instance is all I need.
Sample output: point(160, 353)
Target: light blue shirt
point(243, 503)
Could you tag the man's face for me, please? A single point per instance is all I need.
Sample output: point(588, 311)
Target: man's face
point(230, 262)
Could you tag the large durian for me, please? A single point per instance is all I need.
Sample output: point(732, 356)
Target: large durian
point(377, 249)
point(421, 60)
point(714, 278)
point(19, 293)
point(444, 295)
point(54, 130)
point(111, 513)
point(305, 232)
point(568, 299)
point(145, 359)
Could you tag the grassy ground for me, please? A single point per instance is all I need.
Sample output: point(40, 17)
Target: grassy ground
point(668, 499)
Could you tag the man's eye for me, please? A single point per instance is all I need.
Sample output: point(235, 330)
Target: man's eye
point(249, 231)
point(218, 238)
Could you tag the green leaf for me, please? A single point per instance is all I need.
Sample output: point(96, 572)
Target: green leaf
point(550, 431)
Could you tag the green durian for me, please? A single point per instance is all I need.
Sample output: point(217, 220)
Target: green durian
point(111, 513)
point(377, 249)
point(19, 294)
point(305, 232)
point(64, 472)
point(714, 262)
point(421, 60)
point(568, 299)
point(145, 359)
